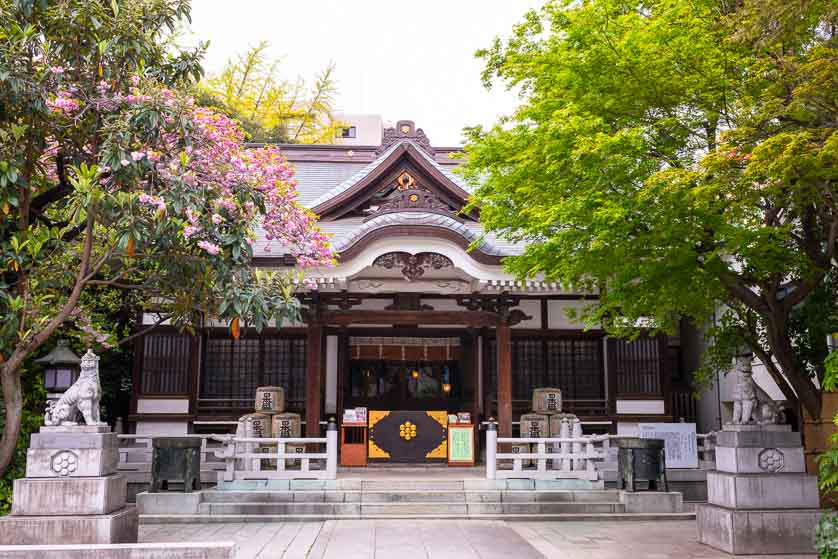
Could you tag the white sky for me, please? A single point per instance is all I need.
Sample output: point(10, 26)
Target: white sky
point(399, 59)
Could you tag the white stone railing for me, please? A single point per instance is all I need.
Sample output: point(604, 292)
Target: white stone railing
point(266, 458)
point(573, 456)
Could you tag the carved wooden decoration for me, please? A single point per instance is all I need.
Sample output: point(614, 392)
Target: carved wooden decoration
point(405, 129)
point(413, 266)
point(406, 194)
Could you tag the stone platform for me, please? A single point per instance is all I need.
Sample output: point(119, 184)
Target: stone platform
point(72, 493)
point(116, 527)
point(761, 501)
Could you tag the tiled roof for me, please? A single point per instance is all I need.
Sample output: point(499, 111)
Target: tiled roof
point(320, 181)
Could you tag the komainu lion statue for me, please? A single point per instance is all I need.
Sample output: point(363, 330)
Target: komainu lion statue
point(83, 397)
point(745, 403)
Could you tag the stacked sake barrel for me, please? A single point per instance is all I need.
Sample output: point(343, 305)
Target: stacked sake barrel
point(270, 420)
point(547, 420)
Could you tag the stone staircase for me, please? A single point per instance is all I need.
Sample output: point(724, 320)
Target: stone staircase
point(378, 499)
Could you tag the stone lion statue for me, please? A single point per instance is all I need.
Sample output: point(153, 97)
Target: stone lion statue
point(745, 402)
point(83, 397)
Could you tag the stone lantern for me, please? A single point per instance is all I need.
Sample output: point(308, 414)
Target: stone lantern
point(61, 369)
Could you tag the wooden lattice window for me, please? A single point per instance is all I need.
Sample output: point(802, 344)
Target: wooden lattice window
point(575, 366)
point(233, 369)
point(166, 363)
point(285, 366)
point(636, 366)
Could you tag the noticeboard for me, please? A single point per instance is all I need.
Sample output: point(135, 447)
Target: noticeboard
point(679, 439)
point(461, 444)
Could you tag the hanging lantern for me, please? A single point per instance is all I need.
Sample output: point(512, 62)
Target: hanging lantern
point(446, 387)
point(414, 373)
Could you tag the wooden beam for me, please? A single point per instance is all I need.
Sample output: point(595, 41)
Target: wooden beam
point(503, 340)
point(477, 319)
point(314, 353)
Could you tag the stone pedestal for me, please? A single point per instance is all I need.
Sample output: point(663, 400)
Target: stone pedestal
point(760, 499)
point(72, 493)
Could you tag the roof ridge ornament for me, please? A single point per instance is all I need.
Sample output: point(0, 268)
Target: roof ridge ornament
point(405, 130)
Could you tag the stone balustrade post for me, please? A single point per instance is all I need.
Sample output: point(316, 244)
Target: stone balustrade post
point(332, 449)
point(491, 450)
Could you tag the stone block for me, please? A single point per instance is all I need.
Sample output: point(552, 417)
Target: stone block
point(75, 429)
point(761, 439)
point(169, 503)
point(73, 440)
point(68, 496)
point(756, 460)
point(116, 527)
point(67, 462)
point(762, 491)
point(170, 550)
point(757, 532)
point(651, 501)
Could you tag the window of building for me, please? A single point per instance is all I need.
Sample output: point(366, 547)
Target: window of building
point(347, 132)
point(233, 369)
point(166, 362)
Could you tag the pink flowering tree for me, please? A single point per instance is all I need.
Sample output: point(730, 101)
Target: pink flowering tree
point(112, 178)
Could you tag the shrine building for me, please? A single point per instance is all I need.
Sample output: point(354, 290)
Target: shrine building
point(418, 314)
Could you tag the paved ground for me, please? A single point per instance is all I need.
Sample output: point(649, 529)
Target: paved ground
point(438, 539)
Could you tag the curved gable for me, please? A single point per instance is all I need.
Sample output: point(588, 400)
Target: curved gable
point(403, 178)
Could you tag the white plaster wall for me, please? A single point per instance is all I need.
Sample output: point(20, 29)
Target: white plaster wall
point(157, 405)
point(640, 407)
point(557, 314)
point(626, 429)
point(532, 308)
point(331, 374)
point(163, 428)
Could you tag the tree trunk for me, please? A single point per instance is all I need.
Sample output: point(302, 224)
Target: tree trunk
point(13, 401)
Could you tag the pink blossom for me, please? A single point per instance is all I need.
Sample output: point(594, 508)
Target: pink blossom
point(137, 155)
point(63, 103)
point(209, 247)
point(56, 69)
point(190, 230)
point(217, 219)
point(124, 162)
point(155, 201)
point(135, 80)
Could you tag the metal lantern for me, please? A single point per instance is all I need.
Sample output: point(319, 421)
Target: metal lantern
point(61, 367)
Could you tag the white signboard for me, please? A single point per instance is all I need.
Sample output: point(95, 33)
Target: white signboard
point(680, 440)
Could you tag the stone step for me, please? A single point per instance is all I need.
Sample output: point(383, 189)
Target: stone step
point(411, 485)
point(455, 496)
point(566, 517)
point(407, 508)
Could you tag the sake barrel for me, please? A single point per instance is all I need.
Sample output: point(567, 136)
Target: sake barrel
point(547, 400)
point(255, 425)
point(286, 425)
point(270, 399)
point(535, 425)
point(556, 423)
point(294, 449)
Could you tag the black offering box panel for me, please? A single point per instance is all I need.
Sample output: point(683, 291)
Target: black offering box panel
point(408, 436)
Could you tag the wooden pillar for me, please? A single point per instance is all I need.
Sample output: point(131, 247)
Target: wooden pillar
point(476, 368)
point(314, 356)
point(503, 337)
